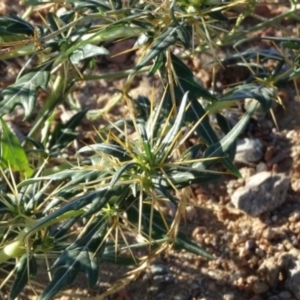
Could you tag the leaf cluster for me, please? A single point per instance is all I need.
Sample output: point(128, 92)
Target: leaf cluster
point(111, 199)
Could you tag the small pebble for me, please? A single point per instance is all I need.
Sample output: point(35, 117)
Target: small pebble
point(190, 213)
point(195, 286)
point(273, 298)
point(163, 279)
point(269, 234)
point(182, 296)
point(250, 245)
point(285, 295)
point(260, 287)
point(153, 289)
point(228, 296)
point(260, 253)
point(257, 297)
point(261, 167)
point(158, 270)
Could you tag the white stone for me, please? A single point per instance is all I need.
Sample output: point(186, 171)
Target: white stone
point(262, 193)
point(248, 151)
point(290, 265)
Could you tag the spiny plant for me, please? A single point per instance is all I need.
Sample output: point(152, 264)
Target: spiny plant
point(118, 190)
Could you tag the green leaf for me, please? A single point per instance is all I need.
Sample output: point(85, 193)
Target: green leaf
point(87, 51)
point(160, 232)
point(22, 272)
point(183, 243)
point(15, 25)
point(113, 150)
point(226, 126)
point(23, 91)
point(65, 133)
point(195, 111)
point(12, 154)
point(218, 16)
point(112, 32)
point(112, 258)
point(121, 171)
point(261, 93)
point(75, 176)
point(158, 62)
point(71, 209)
point(187, 82)
point(164, 148)
point(218, 149)
point(287, 42)
point(168, 38)
point(115, 195)
point(183, 177)
point(82, 256)
point(143, 106)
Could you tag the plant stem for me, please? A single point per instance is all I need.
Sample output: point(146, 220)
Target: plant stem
point(15, 248)
point(56, 96)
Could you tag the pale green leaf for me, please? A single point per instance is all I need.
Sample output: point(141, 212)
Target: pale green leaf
point(12, 154)
point(87, 51)
point(23, 91)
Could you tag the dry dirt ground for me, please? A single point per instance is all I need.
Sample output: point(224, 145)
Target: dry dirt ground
point(246, 249)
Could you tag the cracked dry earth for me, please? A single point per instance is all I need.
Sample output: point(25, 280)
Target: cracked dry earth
point(256, 258)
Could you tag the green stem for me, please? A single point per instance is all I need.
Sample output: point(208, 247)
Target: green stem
point(267, 23)
point(15, 248)
point(112, 75)
point(55, 97)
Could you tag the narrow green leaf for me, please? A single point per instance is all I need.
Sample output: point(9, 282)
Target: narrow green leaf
point(22, 271)
point(183, 243)
point(12, 154)
point(196, 111)
point(64, 133)
point(110, 257)
point(226, 126)
point(164, 192)
point(113, 196)
point(75, 176)
point(287, 42)
point(142, 132)
point(71, 209)
point(164, 148)
point(187, 82)
point(82, 256)
point(182, 177)
point(168, 38)
point(113, 150)
point(120, 172)
point(218, 16)
point(158, 62)
point(112, 32)
point(87, 51)
point(143, 106)
point(261, 93)
point(23, 91)
point(218, 149)
point(15, 25)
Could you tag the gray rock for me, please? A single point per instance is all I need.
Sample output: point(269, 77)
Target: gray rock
point(181, 296)
point(163, 278)
point(159, 270)
point(248, 151)
point(274, 297)
point(262, 193)
point(285, 295)
point(195, 286)
point(290, 265)
point(260, 287)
